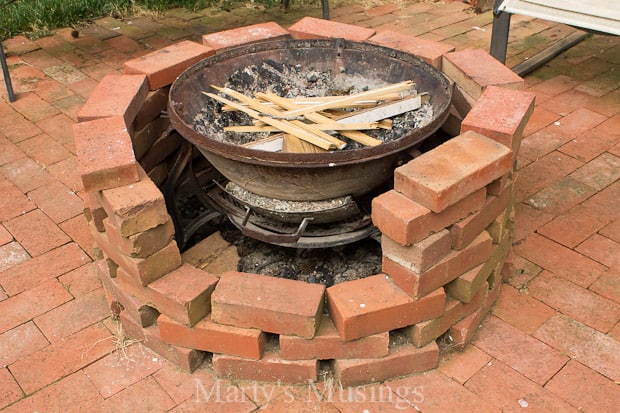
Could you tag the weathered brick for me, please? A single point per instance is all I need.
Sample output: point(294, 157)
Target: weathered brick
point(466, 230)
point(243, 35)
point(183, 294)
point(269, 368)
point(212, 337)
point(155, 103)
point(427, 50)
point(462, 332)
point(406, 221)
point(465, 287)
point(448, 269)
point(166, 145)
point(115, 96)
point(144, 138)
point(141, 313)
point(271, 304)
point(419, 256)
point(143, 243)
point(423, 333)
point(186, 358)
point(452, 171)
point(143, 270)
point(162, 66)
point(401, 361)
point(93, 211)
point(104, 153)
point(375, 305)
point(311, 28)
point(205, 251)
point(475, 69)
point(462, 101)
point(327, 344)
point(136, 207)
point(509, 109)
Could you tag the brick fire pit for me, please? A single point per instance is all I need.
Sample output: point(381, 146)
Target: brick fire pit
point(446, 230)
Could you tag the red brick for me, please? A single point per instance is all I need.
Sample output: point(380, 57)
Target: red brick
point(136, 207)
point(420, 256)
point(141, 313)
point(452, 171)
point(115, 96)
point(427, 331)
point(518, 350)
point(23, 307)
point(26, 174)
point(521, 310)
point(581, 386)
point(311, 27)
point(462, 365)
point(93, 211)
point(57, 201)
point(45, 267)
point(375, 305)
point(327, 345)
point(560, 260)
point(105, 156)
point(448, 269)
point(141, 244)
point(72, 393)
point(475, 69)
point(154, 104)
point(401, 361)
point(62, 358)
point(242, 35)
point(576, 302)
point(44, 149)
point(406, 221)
point(13, 202)
point(427, 50)
point(582, 343)
point(120, 370)
point(466, 230)
point(82, 280)
point(501, 114)
point(465, 287)
point(504, 388)
point(142, 270)
point(213, 337)
point(36, 232)
point(10, 392)
point(19, 342)
point(145, 394)
point(183, 294)
point(271, 304)
point(185, 358)
point(73, 316)
point(269, 368)
point(162, 66)
point(205, 251)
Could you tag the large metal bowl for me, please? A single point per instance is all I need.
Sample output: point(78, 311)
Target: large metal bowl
point(307, 176)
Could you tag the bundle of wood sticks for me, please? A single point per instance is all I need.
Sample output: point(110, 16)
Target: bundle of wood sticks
point(309, 125)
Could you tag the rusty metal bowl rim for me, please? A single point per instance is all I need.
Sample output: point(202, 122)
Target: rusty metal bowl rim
point(326, 159)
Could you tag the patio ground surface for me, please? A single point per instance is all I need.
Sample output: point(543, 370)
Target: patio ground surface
point(552, 342)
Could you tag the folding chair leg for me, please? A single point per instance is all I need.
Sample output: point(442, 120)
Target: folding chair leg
point(325, 4)
point(499, 34)
point(6, 74)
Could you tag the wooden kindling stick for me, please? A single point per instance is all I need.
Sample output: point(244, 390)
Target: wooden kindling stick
point(317, 117)
point(256, 105)
point(283, 125)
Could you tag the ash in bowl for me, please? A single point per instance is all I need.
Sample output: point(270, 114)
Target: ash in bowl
point(292, 81)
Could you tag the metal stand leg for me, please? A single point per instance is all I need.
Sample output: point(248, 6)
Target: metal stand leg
point(499, 34)
point(325, 4)
point(6, 74)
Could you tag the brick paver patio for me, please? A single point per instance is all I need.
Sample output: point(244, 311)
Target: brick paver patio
point(552, 342)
